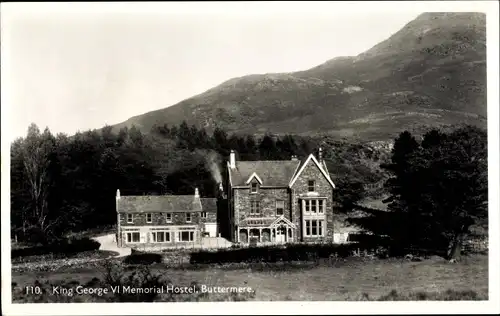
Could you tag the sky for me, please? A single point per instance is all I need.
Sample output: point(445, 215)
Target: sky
point(78, 67)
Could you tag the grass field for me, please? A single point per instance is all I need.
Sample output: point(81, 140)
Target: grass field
point(353, 279)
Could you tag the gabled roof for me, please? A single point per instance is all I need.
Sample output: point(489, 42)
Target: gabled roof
point(271, 172)
point(282, 219)
point(320, 166)
point(254, 175)
point(159, 203)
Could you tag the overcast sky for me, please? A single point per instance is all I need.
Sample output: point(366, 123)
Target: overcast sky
point(73, 68)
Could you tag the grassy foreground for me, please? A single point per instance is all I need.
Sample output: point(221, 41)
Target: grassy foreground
point(350, 279)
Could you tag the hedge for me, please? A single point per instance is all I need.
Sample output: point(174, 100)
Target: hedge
point(291, 252)
point(63, 246)
point(143, 258)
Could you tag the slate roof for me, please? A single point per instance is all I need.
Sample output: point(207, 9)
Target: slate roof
point(209, 205)
point(165, 203)
point(272, 172)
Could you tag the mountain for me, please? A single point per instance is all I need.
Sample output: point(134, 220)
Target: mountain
point(431, 72)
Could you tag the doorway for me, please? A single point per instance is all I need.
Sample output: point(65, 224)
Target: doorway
point(281, 234)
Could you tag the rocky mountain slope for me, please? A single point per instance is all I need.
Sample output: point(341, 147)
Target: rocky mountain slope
point(431, 72)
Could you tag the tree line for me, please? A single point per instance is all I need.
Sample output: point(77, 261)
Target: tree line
point(61, 183)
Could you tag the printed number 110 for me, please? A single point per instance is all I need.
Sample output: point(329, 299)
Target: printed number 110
point(33, 290)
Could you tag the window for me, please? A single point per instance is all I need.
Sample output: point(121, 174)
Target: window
point(254, 207)
point(314, 228)
point(254, 188)
point(160, 236)
point(130, 218)
point(313, 207)
point(280, 207)
point(203, 215)
point(149, 218)
point(133, 237)
point(310, 186)
point(169, 217)
point(186, 236)
point(188, 217)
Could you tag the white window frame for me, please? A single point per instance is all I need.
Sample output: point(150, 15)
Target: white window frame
point(321, 206)
point(190, 235)
point(149, 217)
point(314, 206)
point(320, 227)
point(130, 218)
point(154, 236)
point(282, 207)
point(254, 207)
point(131, 234)
point(167, 216)
point(309, 186)
point(190, 216)
point(252, 186)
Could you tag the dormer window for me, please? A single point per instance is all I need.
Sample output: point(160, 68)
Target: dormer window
point(254, 187)
point(311, 186)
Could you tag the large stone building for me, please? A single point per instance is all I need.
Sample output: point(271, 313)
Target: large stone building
point(165, 220)
point(259, 201)
point(279, 201)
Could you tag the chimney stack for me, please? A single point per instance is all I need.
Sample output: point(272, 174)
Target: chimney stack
point(232, 160)
point(196, 193)
point(294, 157)
point(320, 154)
point(118, 194)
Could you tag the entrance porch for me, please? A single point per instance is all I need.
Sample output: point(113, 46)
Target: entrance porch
point(266, 230)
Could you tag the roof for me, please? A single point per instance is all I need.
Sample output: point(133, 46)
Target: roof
point(264, 221)
point(164, 203)
point(321, 166)
point(271, 172)
point(209, 205)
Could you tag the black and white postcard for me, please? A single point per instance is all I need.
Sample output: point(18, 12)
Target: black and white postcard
point(250, 158)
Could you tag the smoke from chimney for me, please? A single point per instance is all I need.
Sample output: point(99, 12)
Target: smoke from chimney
point(213, 165)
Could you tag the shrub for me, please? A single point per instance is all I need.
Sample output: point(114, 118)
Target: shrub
point(143, 258)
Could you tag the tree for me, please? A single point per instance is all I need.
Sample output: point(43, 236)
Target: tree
point(267, 148)
point(439, 188)
point(36, 151)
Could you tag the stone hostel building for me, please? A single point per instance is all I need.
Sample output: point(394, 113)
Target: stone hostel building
point(279, 201)
point(259, 202)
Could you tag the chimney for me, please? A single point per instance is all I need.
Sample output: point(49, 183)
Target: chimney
point(232, 160)
point(320, 154)
point(196, 193)
point(118, 194)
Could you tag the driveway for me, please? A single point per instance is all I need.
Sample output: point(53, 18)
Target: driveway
point(108, 242)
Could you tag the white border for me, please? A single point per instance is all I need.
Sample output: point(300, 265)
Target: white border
point(269, 8)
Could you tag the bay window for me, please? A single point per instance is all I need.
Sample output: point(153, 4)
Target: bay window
point(314, 228)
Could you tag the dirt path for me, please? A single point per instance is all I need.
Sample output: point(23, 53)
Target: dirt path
point(108, 242)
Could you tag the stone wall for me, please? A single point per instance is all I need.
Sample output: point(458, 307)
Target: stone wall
point(267, 198)
point(324, 189)
point(160, 219)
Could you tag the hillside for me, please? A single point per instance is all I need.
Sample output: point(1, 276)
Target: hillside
point(431, 72)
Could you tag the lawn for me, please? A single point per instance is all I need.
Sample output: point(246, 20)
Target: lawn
point(352, 279)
